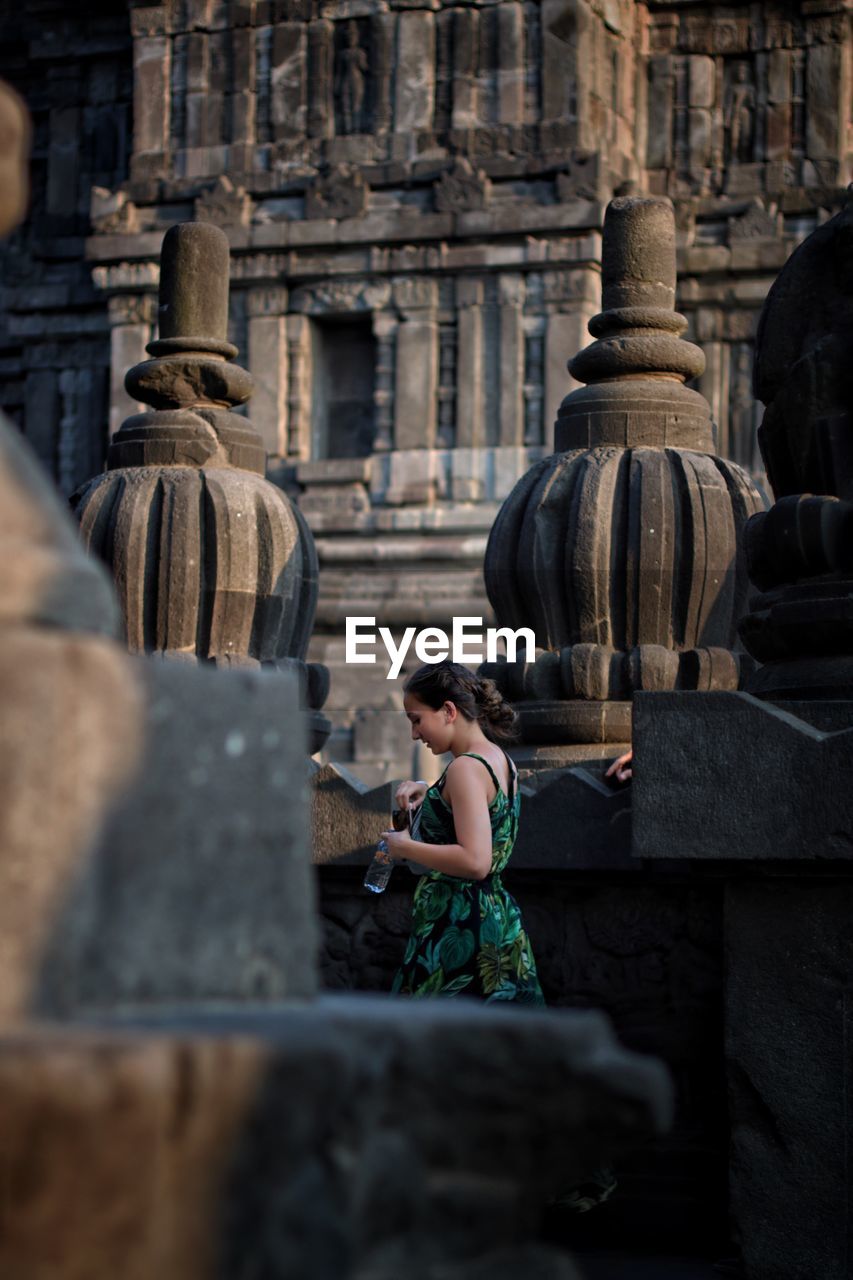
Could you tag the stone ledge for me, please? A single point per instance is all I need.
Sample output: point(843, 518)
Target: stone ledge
point(764, 784)
point(309, 1136)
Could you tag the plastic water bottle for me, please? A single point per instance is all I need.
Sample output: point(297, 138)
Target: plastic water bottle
point(379, 871)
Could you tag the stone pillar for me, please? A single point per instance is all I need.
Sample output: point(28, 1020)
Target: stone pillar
point(511, 69)
point(211, 561)
point(470, 404)
point(466, 61)
point(288, 80)
point(660, 109)
point(384, 28)
point(555, 56)
point(41, 401)
point(243, 102)
point(152, 66)
point(414, 98)
point(299, 387)
point(571, 298)
point(511, 362)
point(416, 371)
point(622, 551)
point(828, 96)
point(78, 409)
point(219, 84)
point(63, 162)
point(268, 362)
point(779, 103)
point(799, 625)
point(198, 70)
point(321, 106)
point(131, 319)
point(385, 325)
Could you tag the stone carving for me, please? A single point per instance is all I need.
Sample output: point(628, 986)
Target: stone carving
point(756, 223)
point(342, 193)
point(224, 205)
point(132, 308)
point(592, 548)
point(415, 293)
point(582, 179)
point(800, 551)
point(739, 115)
point(462, 188)
point(351, 80)
point(341, 296)
point(232, 575)
point(112, 213)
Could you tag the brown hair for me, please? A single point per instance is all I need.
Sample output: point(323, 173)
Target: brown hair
point(475, 697)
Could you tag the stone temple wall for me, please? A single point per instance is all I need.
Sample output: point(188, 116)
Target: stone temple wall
point(413, 192)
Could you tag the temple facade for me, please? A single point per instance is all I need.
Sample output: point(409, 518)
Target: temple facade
point(413, 192)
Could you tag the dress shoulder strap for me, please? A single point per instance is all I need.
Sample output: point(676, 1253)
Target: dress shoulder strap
point(474, 756)
point(513, 777)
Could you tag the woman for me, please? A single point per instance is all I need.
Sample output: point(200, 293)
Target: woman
point(467, 936)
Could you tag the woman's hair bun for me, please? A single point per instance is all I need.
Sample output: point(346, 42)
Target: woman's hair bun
point(476, 697)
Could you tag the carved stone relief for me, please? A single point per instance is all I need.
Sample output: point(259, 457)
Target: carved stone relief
point(224, 204)
point(462, 189)
point(341, 193)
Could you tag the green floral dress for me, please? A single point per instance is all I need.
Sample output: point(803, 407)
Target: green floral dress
point(467, 936)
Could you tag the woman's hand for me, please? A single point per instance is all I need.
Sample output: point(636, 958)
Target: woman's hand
point(400, 844)
point(410, 793)
point(621, 768)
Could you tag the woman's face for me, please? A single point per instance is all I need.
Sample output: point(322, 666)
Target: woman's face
point(433, 728)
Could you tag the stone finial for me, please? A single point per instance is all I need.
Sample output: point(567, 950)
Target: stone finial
point(638, 334)
point(211, 561)
point(623, 550)
point(800, 553)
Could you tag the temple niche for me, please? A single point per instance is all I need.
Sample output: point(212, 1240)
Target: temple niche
point(413, 196)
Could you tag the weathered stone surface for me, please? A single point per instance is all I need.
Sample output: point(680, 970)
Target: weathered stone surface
point(224, 205)
point(194, 283)
point(342, 193)
point(196, 888)
point(347, 816)
point(574, 819)
point(126, 789)
point(787, 1044)
point(690, 804)
point(462, 189)
point(799, 625)
point(590, 549)
point(232, 575)
point(206, 1104)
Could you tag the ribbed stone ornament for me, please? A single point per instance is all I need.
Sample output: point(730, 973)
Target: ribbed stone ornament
point(623, 549)
point(800, 552)
point(211, 561)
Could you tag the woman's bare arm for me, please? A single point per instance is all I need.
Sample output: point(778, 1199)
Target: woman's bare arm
point(466, 789)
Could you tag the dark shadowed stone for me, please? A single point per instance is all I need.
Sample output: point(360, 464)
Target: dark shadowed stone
point(789, 1024)
point(197, 888)
point(305, 1142)
point(726, 776)
point(574, 819)
point(799, 627)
